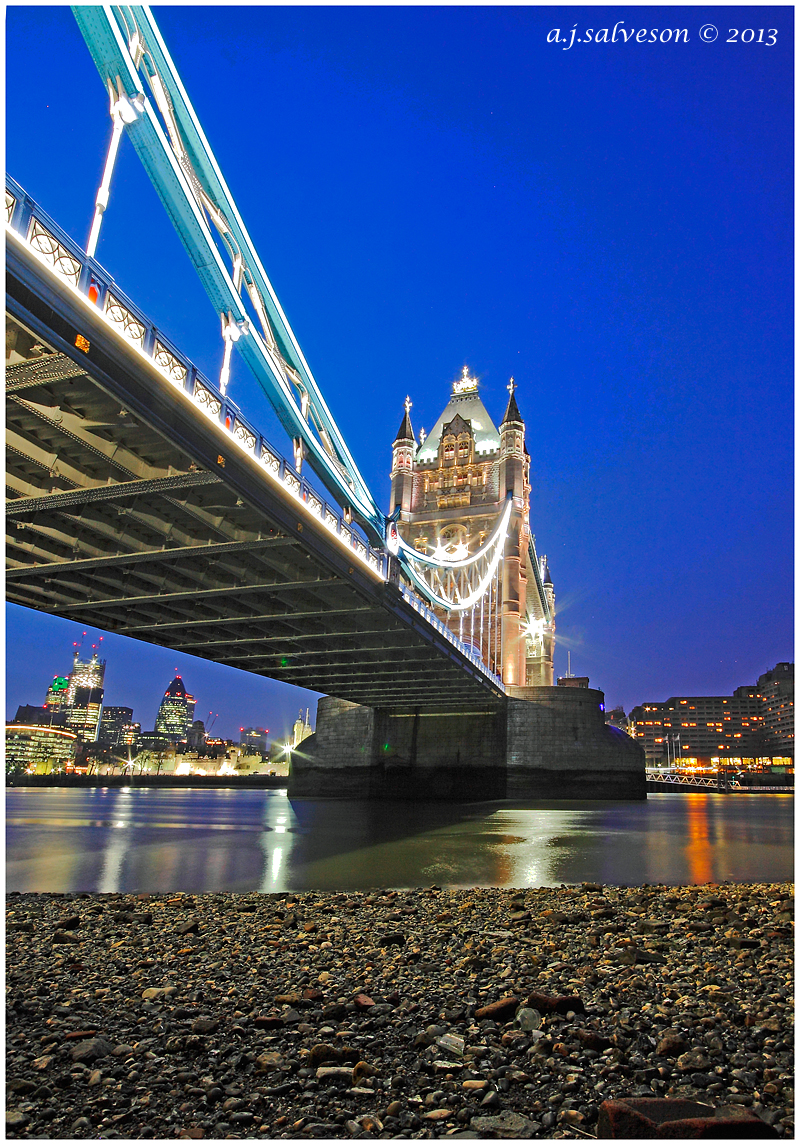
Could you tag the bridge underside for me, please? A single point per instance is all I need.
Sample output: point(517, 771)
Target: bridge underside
point(124, 514)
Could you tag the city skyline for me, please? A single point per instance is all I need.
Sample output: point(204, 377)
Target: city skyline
point(612, 227)
point(133, 670)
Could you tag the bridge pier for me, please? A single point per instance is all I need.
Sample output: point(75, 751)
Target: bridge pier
point(544, 743)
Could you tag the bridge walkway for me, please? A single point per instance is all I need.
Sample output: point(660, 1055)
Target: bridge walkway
point(143, 503)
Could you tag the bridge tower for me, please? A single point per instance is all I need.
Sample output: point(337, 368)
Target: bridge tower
point(450, 490)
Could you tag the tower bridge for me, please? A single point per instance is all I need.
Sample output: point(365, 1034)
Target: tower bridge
point(143, 501)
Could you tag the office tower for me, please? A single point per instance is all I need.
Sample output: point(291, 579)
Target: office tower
point(176, 712)
point(56, 698)
point(114, 719)
point(85, 696)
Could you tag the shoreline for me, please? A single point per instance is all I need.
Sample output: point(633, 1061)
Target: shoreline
point(258, 782)
point(419, 1013)
point(247, 782)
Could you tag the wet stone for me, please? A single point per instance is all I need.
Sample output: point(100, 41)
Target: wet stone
point(257, 1026)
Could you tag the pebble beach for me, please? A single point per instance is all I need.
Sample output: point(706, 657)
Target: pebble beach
point(417, 1013)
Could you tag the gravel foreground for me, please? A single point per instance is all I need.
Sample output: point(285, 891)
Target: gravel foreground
point(417, 1013)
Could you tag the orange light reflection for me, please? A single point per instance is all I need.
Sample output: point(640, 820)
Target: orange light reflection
point(698, 849)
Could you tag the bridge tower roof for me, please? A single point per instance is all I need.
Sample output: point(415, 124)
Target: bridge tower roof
point(512, 413)
point(464, 401)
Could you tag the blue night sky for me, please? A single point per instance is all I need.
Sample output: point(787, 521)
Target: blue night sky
point(611, 223)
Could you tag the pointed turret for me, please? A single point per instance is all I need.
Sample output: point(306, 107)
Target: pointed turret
point(403, 449)
point(513, 464)
point(512, 416)
point(405, 432)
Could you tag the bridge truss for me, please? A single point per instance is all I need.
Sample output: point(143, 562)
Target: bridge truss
point(148, 100)
point(683, 779)
point(145, 503)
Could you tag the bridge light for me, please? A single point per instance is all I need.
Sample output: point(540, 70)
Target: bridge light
point(534, 629)
point(126, 110)
point(232, 331)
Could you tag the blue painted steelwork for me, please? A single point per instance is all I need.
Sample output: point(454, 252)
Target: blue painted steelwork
point(133, 61)
point(132, 58)
point(465, 649)
point(65, 256)
point(533, 557)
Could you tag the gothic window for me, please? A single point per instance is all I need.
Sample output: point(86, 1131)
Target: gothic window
point(452, 538)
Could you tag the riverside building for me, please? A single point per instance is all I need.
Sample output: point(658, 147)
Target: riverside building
point(775, 690)
point(756, 722)
point(31, 747)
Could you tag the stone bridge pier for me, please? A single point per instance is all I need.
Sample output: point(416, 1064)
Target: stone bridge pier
point(543, 743)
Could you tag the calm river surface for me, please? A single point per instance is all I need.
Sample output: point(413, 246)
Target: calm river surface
point(133, 839)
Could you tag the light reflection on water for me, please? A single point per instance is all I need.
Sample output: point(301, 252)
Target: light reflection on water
point(167, 839)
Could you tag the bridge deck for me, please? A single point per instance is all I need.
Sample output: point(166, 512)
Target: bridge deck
point(135, 510)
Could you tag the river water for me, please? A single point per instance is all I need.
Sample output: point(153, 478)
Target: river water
point(168, 839)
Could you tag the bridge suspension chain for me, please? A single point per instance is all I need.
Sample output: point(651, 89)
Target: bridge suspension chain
point(128, 51)
point(459, 582)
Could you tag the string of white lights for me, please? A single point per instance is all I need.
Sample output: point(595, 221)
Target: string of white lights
point(443, 562)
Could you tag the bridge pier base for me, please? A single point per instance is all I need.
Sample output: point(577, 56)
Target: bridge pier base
point(560, 747)
point(544, 743)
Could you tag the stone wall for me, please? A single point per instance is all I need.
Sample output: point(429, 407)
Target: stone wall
point(559, 746)
point(546, 743)
point(360, 752)
point(338, 761)
point(457, 756)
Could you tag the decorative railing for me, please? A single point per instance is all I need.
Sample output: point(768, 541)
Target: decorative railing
point(465, 649)
point(64, 257)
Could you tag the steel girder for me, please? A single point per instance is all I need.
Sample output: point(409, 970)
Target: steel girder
point(124, 42)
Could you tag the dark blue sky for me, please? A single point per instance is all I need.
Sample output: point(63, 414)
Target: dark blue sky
point(611, 223)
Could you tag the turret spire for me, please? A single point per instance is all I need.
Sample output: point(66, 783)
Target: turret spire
point(512, 410)
point(405, 432)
